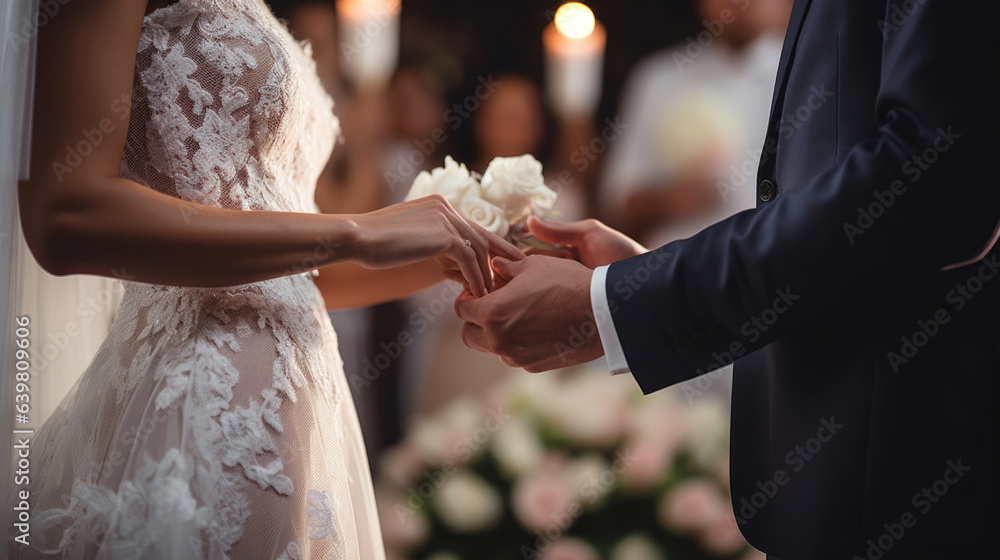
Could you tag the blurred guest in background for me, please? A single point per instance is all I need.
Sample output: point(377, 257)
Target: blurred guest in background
point(513, 121)
point(695, 116)
point(420, 137)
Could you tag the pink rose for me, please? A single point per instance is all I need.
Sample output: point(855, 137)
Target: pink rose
point(649, 463)
point(402, 527)
point(540, 499)
point(722, 537)
point(569, 548)
point(692, 505)
point(660, 421)
point(402, 465)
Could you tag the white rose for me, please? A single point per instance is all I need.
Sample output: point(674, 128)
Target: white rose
point(516, 184)
point(452, 181)
point(463, 415)
point(467, 503)
point(636, 546)
point(708, 425)
point(438, 438)
point(517, 448)
point(432, 440)
point(606, 407)
point(580, 474)
point(484, 213)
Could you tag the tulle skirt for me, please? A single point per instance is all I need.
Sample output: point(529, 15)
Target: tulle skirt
point(212, 423)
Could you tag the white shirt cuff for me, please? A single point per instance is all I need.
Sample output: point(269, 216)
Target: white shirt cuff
point(605, 323)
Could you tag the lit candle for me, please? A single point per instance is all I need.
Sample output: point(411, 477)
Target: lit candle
point(574, 60)
point(369, 40)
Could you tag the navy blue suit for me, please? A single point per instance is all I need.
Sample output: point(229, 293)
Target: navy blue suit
point(867, 378)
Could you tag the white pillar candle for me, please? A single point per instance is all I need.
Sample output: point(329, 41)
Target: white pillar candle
point(369, 40)
point(574, 60)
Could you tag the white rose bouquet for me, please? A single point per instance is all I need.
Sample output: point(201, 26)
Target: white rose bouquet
point(511, 190)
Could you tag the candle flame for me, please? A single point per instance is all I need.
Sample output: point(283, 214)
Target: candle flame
point(575, 20)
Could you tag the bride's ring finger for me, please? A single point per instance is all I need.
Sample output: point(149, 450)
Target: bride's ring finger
point(473, 240)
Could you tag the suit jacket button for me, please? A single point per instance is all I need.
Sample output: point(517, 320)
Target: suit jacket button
point(766, 190)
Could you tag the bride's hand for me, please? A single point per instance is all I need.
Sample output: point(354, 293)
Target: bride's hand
point(425, 228)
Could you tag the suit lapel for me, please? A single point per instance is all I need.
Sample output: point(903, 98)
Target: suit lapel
point(798, 15)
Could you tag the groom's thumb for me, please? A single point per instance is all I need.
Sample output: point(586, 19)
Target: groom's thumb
point(506, 269)
point(563, 233)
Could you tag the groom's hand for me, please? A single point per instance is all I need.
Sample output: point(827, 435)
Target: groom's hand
point(595, 243)
point(541, 319)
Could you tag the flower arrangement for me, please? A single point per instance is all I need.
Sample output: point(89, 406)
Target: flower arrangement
point(569, 466)
point(511, 190)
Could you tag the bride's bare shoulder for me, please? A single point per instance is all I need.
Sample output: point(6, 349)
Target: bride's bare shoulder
point(85, 61)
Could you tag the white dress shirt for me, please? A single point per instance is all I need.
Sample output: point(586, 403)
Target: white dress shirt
point(605, 323)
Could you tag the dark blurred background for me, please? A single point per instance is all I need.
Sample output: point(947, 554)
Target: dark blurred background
point(466, 39)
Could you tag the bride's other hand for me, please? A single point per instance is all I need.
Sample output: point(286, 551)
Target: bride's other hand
point(425, 228)
point(595, 243)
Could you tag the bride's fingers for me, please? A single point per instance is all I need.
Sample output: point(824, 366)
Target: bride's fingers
point(467, 249)
point(472, 239)
point(498, 245)
point(468, 262)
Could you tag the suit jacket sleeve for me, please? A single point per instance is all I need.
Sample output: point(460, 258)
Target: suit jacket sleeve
point(693, 305)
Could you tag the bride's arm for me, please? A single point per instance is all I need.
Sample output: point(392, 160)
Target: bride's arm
point(91, 221)
point(349, 285)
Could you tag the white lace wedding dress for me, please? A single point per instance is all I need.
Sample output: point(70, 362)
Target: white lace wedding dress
point(214, 422)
